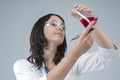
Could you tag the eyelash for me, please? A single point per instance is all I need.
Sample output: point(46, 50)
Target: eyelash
point(53, 24)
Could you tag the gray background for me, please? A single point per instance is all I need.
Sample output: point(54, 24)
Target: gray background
point(18, 16)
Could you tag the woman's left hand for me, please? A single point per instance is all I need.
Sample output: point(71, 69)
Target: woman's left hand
point(80, 8)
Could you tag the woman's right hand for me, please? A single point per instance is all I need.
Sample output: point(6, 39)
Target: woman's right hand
point(85, 40)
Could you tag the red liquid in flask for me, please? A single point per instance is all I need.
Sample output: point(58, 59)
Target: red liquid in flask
point(85, 23)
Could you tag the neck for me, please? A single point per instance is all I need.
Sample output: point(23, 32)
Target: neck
point(49, 54)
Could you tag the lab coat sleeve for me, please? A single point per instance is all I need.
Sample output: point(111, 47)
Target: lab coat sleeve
point(96, 60)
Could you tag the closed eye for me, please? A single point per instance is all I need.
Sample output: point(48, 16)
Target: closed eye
point(53, 24)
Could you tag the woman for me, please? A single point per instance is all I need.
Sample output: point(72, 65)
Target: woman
point(48, 46)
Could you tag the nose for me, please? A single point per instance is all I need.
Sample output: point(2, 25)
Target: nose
point(60, 28)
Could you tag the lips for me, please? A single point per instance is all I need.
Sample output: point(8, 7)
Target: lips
point(60, 34)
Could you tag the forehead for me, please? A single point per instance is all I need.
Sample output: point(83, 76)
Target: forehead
point(55, 18)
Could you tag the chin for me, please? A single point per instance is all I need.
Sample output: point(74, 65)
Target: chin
point(59, 42)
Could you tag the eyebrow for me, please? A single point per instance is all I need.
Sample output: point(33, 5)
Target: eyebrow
point(55, 20)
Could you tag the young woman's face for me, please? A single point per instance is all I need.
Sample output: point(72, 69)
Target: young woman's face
point(54, 30)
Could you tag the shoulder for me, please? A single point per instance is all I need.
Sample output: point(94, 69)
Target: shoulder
point(21, 65)
point(22, 62)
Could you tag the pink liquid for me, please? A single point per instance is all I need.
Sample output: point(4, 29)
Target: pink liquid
point(85, 23)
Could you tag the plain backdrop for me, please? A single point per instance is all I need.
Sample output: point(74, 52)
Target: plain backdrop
point(17, 18)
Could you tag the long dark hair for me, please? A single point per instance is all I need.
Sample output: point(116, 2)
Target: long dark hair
point(38, 42)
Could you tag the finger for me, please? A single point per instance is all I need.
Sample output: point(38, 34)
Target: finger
point(90, 26)
point(80, 7)
point(89, 39)
point(89, 36)
point(88, 10)
point(75, 5)
point(75, 15)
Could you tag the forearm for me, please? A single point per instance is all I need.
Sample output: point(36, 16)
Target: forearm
point(101, 39)
point(62, 69)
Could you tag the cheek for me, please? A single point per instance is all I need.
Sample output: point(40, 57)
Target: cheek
point(48, 32)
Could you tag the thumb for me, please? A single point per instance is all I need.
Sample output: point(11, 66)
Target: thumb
point(89, 28)
point(75, 15)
